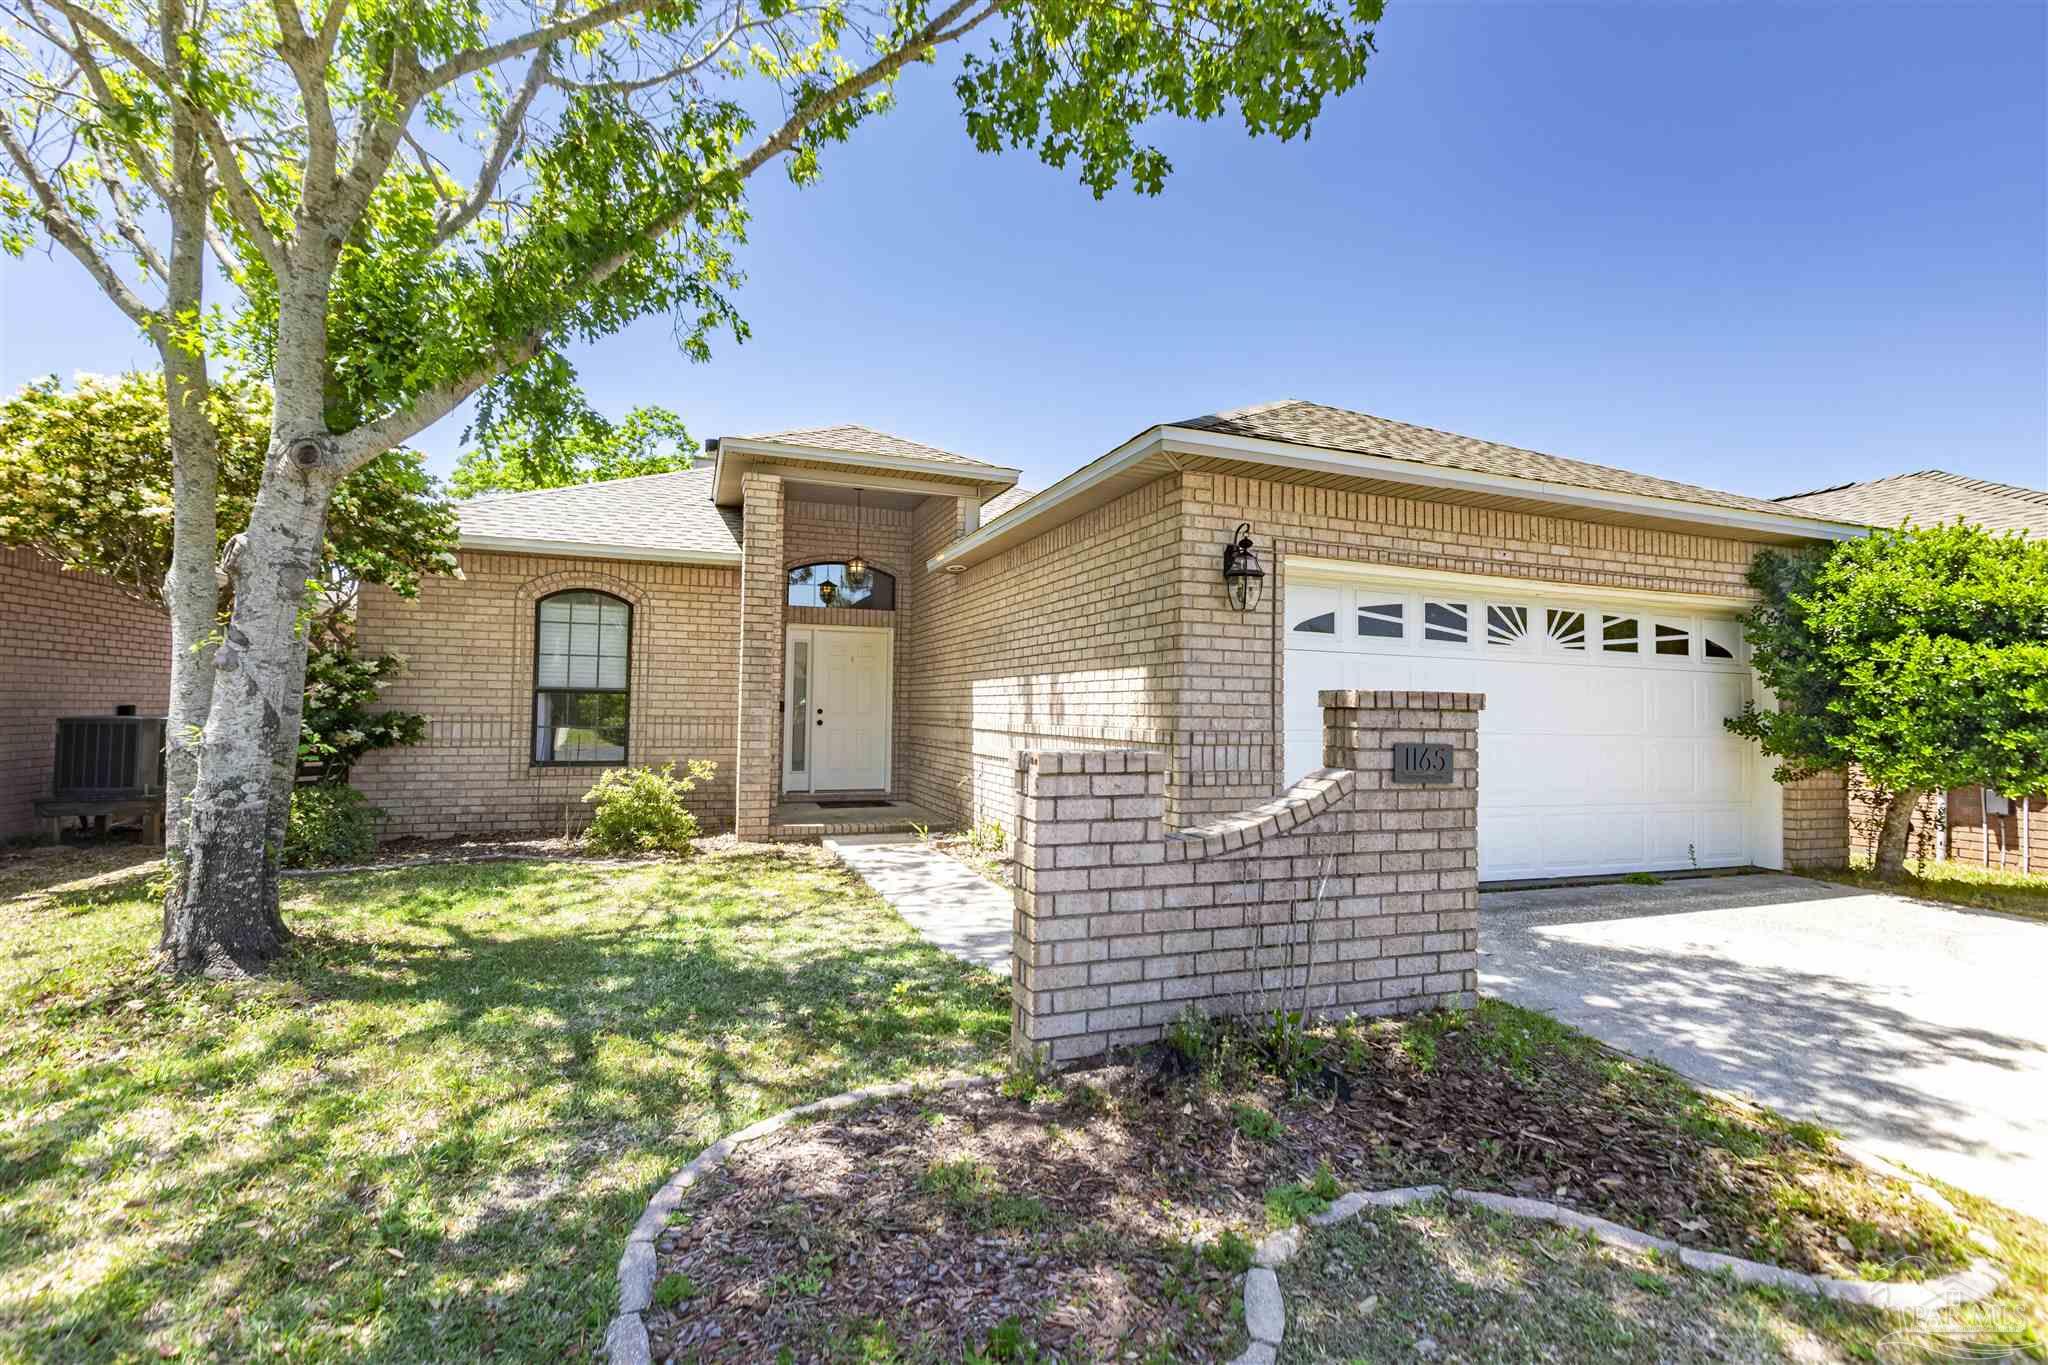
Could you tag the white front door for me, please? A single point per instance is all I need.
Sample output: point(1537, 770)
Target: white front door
point(836, 733)
point(1601, 748)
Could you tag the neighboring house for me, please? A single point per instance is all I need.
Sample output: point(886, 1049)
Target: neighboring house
point(1981, 827)
point(75, 644)
point(682, 616)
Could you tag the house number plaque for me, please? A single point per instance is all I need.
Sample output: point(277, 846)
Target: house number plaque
point(1427, 763)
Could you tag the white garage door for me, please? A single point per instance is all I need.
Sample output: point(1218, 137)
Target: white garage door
point(1601, 747)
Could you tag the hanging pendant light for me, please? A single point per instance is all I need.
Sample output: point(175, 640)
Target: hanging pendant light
point(857, 567)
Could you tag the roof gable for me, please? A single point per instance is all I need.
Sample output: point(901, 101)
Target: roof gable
point(855, 439)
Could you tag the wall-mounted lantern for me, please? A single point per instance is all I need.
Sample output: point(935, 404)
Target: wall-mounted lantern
point(1243, 579)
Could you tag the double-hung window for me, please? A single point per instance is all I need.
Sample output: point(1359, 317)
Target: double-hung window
point(582, 648)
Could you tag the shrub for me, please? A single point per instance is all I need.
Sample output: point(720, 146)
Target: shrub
point(329, 823)
point(641, 810)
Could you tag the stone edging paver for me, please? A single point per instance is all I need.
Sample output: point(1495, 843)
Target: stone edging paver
point(625, 1341)
point(1265, 1313)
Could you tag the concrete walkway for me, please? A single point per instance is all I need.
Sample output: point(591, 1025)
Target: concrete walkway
point(953, 906)
point(1920, 1032)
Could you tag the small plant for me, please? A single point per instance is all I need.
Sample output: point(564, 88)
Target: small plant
point(1643, 879)
point(987, 838)
point(1289, 1204)
point(329, 824)
point(1229, 1252)
point(1254, 1122)
point(642, 810)
point(1007, 1345)
point(671, 1290)
point(923, 832)
point(1030, 1076)
point(1193, 1035)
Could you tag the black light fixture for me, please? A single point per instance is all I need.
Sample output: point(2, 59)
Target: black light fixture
point(856, 568)
point(827, 591)
point(1243, 579)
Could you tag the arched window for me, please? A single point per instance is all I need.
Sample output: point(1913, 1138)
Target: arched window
point(582, 652)
point(824, 585)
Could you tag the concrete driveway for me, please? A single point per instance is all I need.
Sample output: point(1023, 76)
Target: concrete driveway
point(1919, 1032)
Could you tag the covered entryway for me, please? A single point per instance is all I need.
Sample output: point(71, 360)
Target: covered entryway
point(840, 682)
point(1601, 745)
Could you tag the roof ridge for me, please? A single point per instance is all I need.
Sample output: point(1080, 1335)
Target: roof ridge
point(1945, 475)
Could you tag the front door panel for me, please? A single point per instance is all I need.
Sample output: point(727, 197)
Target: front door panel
point(847, 731)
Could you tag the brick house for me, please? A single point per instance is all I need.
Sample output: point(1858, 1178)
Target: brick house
point(864, 631)
point(1969, 824)
point(75, 644)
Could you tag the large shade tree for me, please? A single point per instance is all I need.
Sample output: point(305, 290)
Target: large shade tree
point(1917, 655)
point(410, 203)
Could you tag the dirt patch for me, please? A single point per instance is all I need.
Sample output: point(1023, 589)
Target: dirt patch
point(930, 1228)
point(1075, 1223)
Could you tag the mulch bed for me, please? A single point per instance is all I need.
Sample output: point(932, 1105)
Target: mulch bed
point(926, 1223)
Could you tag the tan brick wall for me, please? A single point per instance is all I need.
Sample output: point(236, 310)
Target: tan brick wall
point(73, 644)
point(1817, 822)
point(2017, 840)
point(1069, 640)
point(468, 645)
point(1114, 630)
point(1349, 893)
point(764, 590)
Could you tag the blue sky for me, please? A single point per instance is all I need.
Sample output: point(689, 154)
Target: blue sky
point(1760, 247)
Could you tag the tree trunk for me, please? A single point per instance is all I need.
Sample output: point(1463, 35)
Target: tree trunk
point(226, 919)
point(1893, 841)
point(191, 590)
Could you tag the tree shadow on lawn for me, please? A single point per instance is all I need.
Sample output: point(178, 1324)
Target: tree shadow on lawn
point(427, 1135)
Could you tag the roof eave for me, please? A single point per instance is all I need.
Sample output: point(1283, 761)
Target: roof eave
point(1287, 454)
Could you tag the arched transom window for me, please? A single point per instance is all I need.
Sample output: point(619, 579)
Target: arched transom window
point(582, 654)
point(824, 585)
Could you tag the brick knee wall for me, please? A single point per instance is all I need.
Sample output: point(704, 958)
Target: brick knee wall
point(1121, 925)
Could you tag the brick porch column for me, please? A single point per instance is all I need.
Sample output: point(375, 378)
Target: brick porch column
point(757, 765)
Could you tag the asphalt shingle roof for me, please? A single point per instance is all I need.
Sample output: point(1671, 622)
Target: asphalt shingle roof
point(1313, 424)
point(1929, 497)
point(1004, 501)
point(670, 513)
point(860, 440)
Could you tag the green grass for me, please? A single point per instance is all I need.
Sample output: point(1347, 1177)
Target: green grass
point(425, 1136)
point(1964, 884)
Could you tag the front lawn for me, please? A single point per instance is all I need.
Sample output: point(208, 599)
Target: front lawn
point(1964, 884)
point(425, 1137)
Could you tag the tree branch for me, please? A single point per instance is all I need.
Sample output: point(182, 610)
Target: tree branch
point(510, 126)
point(65, 229)
point(366, 442)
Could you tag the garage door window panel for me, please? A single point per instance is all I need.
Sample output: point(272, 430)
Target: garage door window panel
point(1671, 639)
point(1566, 629)
point(1507, 626)
point(1446, 623)
point(1721, 641)
point(1382, 620)
point(1618, 634)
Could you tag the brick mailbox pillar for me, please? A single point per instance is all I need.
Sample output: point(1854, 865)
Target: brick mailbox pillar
point(1356, 891)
